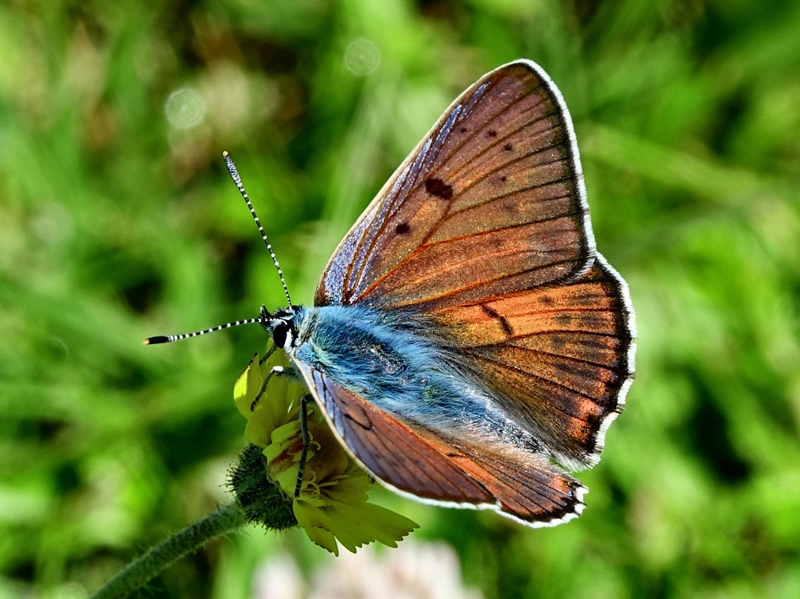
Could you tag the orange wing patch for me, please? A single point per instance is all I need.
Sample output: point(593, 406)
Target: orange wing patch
point(489, 203)
point(557, 358)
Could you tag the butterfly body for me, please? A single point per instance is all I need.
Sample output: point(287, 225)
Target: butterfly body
point(392, 361)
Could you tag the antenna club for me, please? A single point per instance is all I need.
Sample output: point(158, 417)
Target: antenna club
point(234, 173)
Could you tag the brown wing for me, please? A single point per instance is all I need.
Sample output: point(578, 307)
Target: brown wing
point(559, 359)
point(419, 462)
point(491, 201)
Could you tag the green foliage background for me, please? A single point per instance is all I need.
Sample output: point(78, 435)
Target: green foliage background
point(116, 224)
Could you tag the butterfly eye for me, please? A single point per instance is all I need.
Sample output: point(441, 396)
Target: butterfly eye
point(281, 334)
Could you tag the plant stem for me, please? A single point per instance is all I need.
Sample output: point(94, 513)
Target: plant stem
point(145, 567)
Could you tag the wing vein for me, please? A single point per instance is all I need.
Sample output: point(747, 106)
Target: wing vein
point(416, 184)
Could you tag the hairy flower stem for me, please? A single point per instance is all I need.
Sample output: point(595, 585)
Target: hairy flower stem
point(144, 568)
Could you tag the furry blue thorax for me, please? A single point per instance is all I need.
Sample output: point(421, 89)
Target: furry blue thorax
point(383, 357)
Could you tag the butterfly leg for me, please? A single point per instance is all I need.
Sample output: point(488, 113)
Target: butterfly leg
point(267, 354)
point(304, 401)
point(276, 371)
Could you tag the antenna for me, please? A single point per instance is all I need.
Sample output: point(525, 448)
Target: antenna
point(264, 316)
point(170, 338)
point(238, 181)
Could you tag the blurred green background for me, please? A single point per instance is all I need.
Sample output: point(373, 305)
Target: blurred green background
point(118, 221)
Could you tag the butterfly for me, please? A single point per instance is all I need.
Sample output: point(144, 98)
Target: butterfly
point(467, 343)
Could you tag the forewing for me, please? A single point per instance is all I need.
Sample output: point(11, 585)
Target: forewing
point(490, 202)
point(559, 359)
point(423, 464)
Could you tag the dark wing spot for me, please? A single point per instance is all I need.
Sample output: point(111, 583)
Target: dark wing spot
point(495, 314)
point(508, 147)
point(562, 367)
point(463, 129)
point(491, 133)
point(365, 425)
point(402, 229)
point(564, 319)
point(438, 188)
point(504, 178)
point(546, 300)
point(585, 299)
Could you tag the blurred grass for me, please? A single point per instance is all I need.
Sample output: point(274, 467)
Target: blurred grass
point(118, 221)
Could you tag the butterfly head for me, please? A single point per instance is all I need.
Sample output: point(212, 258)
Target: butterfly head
point(282, 325)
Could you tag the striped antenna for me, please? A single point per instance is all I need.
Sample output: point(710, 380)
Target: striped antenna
point(237, 179)
point(170, 338)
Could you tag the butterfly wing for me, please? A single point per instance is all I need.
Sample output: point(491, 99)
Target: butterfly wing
point(490, 202)
point(484, 231)
point(421, 462)
point(558, 358)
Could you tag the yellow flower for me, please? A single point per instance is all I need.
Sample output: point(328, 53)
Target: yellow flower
point(333, 502)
